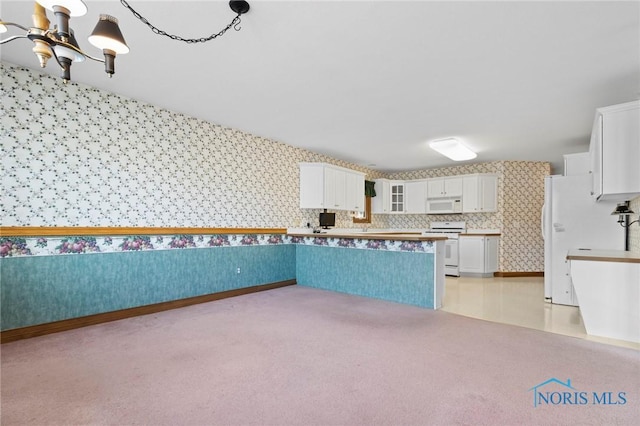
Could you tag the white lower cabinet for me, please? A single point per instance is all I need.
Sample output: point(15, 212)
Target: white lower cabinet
point(478, 255)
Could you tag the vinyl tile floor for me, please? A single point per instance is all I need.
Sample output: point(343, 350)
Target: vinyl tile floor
point(516, 301)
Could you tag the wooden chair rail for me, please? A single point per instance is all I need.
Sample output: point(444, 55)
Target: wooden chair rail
point(37, 231)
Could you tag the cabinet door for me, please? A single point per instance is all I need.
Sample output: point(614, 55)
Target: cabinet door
point(397, 197)
point(470, 194)
point(595, 152)
point(311, 186)
point(435, 188)
point(453, 187)
point(488, 194)
point(471, 254)
point(381, 202)
point(491, 254)
point(416, 200)
point(335, 189)
point(621, 154)
point(355, 192)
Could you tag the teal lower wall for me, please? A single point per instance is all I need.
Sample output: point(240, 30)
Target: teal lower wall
point(42, 289)
point(404, 277)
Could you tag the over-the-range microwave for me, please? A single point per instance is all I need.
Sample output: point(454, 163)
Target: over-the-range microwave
point(444, 205)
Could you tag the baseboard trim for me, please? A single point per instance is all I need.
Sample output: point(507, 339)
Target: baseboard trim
point(518, 274)
point(73, 323)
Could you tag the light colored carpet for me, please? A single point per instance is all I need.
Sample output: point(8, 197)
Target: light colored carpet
point(298, 355)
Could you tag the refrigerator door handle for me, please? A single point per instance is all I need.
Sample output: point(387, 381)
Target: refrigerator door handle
point(543, 226)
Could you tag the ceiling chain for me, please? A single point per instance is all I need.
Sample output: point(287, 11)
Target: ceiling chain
point(234, 23)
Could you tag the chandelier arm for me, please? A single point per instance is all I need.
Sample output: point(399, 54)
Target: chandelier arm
point(234, 23)
point(13, 24)
point(6, 40)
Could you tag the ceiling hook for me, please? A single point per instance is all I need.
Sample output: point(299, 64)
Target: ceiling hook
point(237, 26)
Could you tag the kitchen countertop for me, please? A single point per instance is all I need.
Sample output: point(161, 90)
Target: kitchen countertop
point(393, 236)
point(604, 255)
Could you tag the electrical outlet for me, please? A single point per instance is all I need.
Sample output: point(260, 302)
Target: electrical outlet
point(238, 271)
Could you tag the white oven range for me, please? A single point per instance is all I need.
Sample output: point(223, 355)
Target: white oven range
point(452, 254)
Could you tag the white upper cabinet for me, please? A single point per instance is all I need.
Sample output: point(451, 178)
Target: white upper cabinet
point(312, 186)
point(325, 186)
point(381, 203)
point(444, 187)
point(479, 193)
point(397, 197)
point(416, 196)
point(354, 197)
point(390, 196)
point(335, 188)
point(615, 152)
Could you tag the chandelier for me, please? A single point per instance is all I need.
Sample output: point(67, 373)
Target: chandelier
point(60, 43)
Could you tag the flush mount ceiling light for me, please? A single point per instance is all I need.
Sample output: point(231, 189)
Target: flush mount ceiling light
point(453, 148)
point(60, 43)
point(240, 7)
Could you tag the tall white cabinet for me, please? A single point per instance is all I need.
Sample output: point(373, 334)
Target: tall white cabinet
point(325, 186)
point(615, 152)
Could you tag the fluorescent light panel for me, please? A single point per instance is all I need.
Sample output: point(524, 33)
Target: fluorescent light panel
point(453, 148)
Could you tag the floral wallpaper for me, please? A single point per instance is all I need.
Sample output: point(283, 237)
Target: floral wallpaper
point(85, 157)
point(98, 159)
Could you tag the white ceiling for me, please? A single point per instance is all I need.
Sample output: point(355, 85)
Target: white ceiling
point(370, 82)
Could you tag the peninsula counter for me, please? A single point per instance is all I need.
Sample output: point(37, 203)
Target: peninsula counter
point(399, 267)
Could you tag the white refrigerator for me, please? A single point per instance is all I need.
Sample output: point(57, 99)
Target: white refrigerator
point(571, 219)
